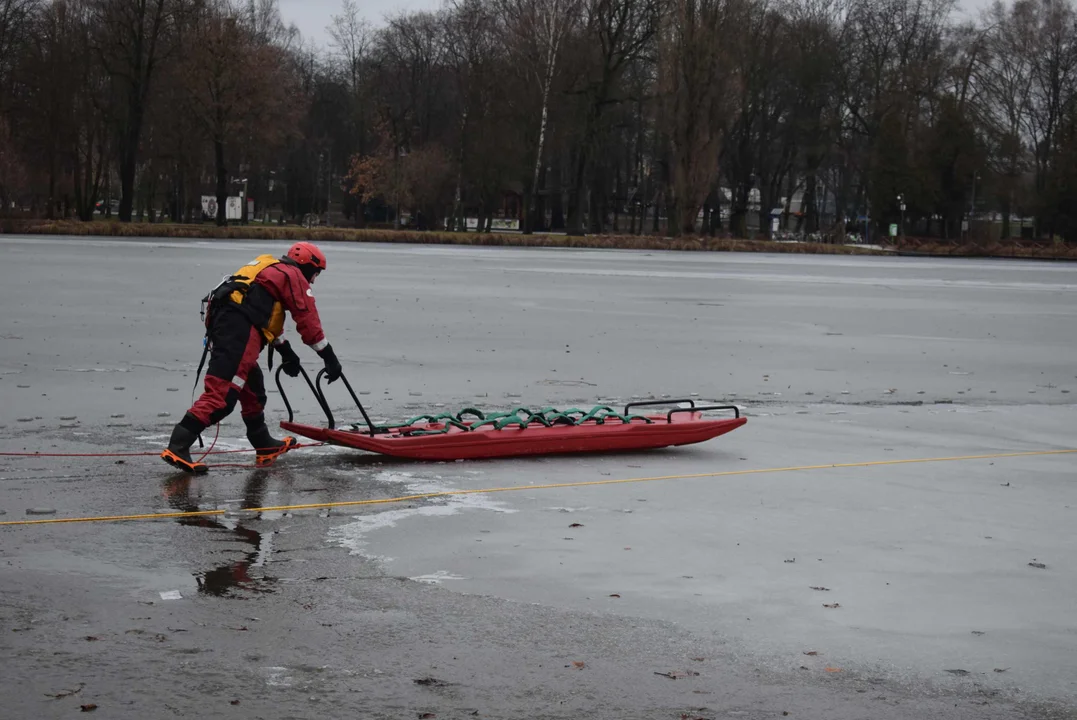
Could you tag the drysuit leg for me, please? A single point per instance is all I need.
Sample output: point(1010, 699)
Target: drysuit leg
point(236, 347)
point(252, 400)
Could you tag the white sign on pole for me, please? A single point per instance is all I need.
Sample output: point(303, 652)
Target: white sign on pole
point(209, 206)
point(233, 209)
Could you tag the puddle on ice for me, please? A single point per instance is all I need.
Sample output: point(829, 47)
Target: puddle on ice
point(353, 535)
point(277, 676)
point(437, 578)
point(98, 370)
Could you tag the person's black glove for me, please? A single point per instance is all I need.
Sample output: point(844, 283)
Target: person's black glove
point(289, 361)
point(332, 365)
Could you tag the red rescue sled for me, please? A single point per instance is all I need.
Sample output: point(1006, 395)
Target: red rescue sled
point(519, 432)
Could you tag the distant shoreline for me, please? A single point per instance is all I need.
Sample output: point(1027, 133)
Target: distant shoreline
point(919, 248)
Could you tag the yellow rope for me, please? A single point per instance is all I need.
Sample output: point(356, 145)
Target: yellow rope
point(547, 486)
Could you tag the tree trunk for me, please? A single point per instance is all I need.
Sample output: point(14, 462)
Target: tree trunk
point(547, 81)
point(222, 182)
point(81, 203)
point(50, 210)
point(1007, 210)
point(765, 203)
point(525, 213)
point(738, 219)
point(616, 210)
point(458, 223)
point(717, 220)
point(151, 195)
point(577, 197)
point(87, 179)
point(129, 157)
point(557, 207)
point(787, 206)
point(689, 216)
point(597, 205)
point(809, 206)
point(709, 211)
point(842, 203)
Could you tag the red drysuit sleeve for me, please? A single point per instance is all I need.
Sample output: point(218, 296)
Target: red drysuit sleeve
point(288, 287)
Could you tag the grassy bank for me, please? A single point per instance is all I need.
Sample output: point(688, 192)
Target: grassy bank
point(1030, 249)
point(911, 246)
point(292, 232)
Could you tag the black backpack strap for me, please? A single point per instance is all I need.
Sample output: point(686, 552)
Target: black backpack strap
point(201, 364)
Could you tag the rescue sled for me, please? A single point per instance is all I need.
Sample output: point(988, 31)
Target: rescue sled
point(472, 434)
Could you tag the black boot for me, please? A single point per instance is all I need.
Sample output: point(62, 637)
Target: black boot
point(267, 448)
point(178, 452)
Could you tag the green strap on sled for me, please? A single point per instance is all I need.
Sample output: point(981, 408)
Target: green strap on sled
point(520, 417)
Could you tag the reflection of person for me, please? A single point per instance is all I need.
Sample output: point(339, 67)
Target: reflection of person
point(222, 579)
point(245, 313)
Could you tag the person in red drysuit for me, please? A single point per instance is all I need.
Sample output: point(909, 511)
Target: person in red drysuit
point(247, 313)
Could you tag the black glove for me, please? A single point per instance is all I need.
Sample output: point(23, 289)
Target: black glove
point(289, 361)
point(332, 365)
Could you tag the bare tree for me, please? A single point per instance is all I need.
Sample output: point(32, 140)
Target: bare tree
point(131, 39)
point(470, 50)
point(535, 31)
point(892, 74)
point(409, 70)
point(47, 81)
point(12, 169)
point(15, 16)
point(696, 84)
point(92, 107)
point(351, 38)
point(1006, 79)
point(818, 33)
point(263, 21)
point(1047, 30)
point(616, 34)
point(235, 80)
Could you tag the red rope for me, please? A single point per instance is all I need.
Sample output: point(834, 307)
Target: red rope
point(246, 466)
point(142, 454)
point(212, 444)
point(221, 465)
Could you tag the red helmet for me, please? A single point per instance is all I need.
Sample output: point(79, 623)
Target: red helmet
point(305, 253)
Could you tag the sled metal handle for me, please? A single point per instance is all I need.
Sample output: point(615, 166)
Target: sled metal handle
point(692, 406)
point(317, 395)
point(325, 403)
point(657, 403)
point(701, 408)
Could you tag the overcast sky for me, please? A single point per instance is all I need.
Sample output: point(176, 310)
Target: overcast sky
point(312, 16)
